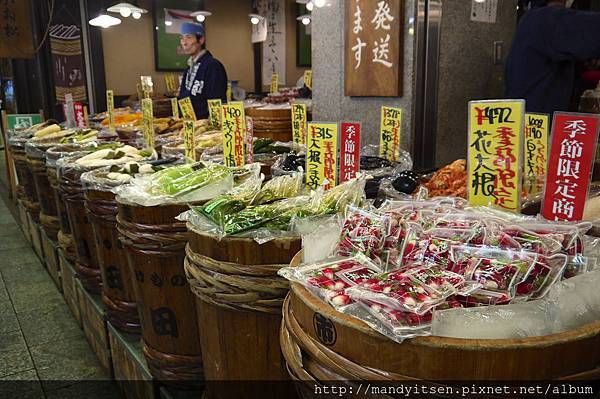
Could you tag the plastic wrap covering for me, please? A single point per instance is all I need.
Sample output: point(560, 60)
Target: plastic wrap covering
point(569, 305)
point(53, 154)
point(287, 164)
point(179, 184)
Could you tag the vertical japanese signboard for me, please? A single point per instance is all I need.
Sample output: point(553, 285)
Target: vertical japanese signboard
point(495, 153)
point(536, 151)
point(249, 141)
point(110, 106)
point(234, 131)
point(308, 78)
point(69, 111)
point(187, 110)
point(389, 133)
point(349, 151)
point(321, 156)
point(15, 29)
point(274, 88)
point(572, 152)
point(80, 119)
point(214, 113)
point(189, 140)
point(299, 123)
point(147, 120)
point(374, 47)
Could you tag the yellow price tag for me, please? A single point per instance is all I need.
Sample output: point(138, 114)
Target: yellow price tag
point(389, 133)
point(214, 113)
point(86, 116)
point(495, 153)
point(189, 140)
point(110, 106)
point(274, 84)
point(299, 123)
point(321, 157)
point(308, 78)
point(535, 161)
point(187, 110)
point(147, 86)
point(228, 94)
point(175, 108)
point(234, 131)
point(148, 122)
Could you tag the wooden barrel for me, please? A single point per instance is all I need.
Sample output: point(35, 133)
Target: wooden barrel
point(239, 298)
point(155, 245)
point(117, 282)
point(86, 255)
point(321, 344)
point(26, 190)
point(273, 123)
point(36, 160)
point(64, 236)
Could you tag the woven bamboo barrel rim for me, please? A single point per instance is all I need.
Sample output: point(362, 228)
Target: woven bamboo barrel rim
point(267, 113)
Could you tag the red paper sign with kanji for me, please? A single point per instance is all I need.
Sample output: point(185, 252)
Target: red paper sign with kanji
point(572, 152)
point(79, 115)
point(349, 151)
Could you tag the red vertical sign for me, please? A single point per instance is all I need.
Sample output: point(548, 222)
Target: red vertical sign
point(249, 140)
point(572, 152)
point(349, 151)
point(79, 115)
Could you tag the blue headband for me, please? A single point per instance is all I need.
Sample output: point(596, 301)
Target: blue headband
point(188, 28)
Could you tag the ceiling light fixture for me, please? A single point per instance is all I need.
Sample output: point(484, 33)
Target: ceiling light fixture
point(320, 3)
point(255, 18)
point(127, 9)
point(305, 19)
point(104, 21)
point(201, 15)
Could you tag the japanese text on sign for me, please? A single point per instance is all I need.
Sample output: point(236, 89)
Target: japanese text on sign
point(274, 84)
point(187, 110)
point(299, 123)
point(234, 132)
point(349, 151)
point(172, 82)
point(321, 157)
point(574, 139)
point(249, 140)
point(536, 150)
point(189, 141)
point(308, 78)
point(80, 121)
point(495, 153)
point(110, 106)
point(214, 113)
point(147, 120)
point(175, 108)
point(389, 140)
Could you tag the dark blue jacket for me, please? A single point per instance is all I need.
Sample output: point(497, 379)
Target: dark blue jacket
point(204, 80)
point(541, 64)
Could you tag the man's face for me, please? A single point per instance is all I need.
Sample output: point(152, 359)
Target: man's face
point(190, 44)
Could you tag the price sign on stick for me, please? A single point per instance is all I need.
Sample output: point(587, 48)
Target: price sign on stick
point(175, 108)
point(495, 153)
point(147, 86)
point(228, 93)
point(321, 155)
point(570, 165)
point(308, 78)
point(110, 106)
point(299, 123)
point(349, 151)
point(214, 113)
point(274, 84)
point(249, 139)
point(86, 116)
point(389, 133)
point(148, 121)
point(536, 150)
point(234, 131)
point(189, 140)
point(187, 110)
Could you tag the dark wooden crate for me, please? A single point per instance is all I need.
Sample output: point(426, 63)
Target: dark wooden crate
point(93, 320)
point(70, 292)
point(24, 220)
point(36, 238)
point(129, 365)
point(50, 249)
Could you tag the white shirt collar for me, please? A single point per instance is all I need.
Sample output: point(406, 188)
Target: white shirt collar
point(193, 60)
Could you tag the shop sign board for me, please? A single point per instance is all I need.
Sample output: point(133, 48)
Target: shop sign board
point(389, 133)
point(148, 122)
point(274, 84)
point(373, 48)
point(536, 150)
point(299, 123)
point(321, 156)
point(110, 107)
point(80, 117)
point(570, 165)
point(349, 151)
point(189, 140)
point(495, 153)
point(187, 110)
point(214, 113)
point(22, 121)
point(15, 30)
point(249, 141)
point(234, 132)
point(308, 78)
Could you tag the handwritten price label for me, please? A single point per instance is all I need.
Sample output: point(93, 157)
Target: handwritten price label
point(234, 132)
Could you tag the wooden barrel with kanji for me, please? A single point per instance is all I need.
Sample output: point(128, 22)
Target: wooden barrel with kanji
point(154, 242)
point(271, 122)
point(239, 296)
